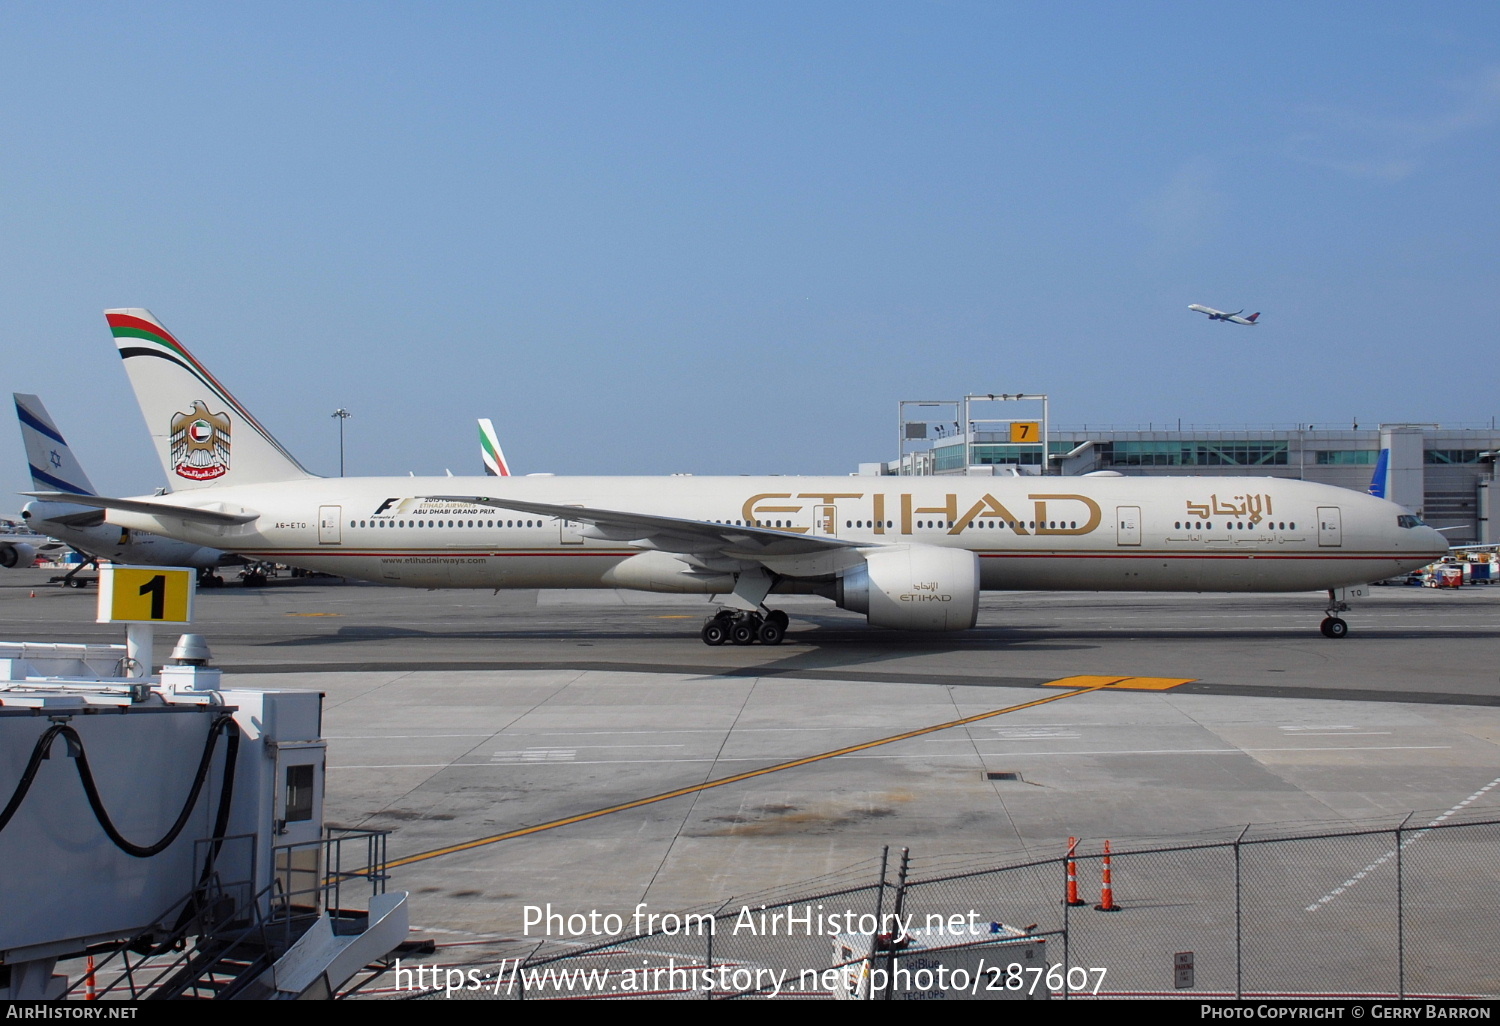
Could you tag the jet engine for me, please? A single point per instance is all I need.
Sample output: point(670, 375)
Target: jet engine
point(914, 588)
point(14, 554)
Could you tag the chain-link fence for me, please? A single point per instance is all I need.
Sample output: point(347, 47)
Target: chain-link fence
point(1399, 911)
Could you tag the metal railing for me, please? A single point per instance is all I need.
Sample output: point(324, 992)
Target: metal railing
point(229, 922)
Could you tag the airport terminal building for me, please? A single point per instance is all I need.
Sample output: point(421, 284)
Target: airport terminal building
point(1445, 474)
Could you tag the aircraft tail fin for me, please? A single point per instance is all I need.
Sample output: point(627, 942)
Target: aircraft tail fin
point(1380, 479)
point(1252, 317)
point(53, 465)
point(489, 448)
point(204, 437)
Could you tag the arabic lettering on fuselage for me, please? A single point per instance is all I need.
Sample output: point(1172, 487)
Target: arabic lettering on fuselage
point(1252, 508)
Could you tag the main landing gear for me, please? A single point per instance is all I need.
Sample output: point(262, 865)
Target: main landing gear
point(741, 628)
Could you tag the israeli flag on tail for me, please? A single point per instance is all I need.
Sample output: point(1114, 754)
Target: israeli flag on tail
point(54, 468)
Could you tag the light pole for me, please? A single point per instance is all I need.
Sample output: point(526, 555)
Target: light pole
point(342, 415)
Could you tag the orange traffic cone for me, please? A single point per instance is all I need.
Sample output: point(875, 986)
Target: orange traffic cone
point(1107, 892)
point(89, 992)
point(1073, 898)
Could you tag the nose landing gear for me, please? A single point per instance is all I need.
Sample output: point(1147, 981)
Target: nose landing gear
point(1333, 626)
point(741, 628)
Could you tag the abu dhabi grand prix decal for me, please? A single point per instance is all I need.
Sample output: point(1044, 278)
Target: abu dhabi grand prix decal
point(200, 443)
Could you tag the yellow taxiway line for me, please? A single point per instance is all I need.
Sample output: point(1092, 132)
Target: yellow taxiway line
point(1091, 685)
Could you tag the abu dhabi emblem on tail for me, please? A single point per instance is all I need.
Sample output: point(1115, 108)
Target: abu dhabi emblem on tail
point(190, 415)
point(200, 444)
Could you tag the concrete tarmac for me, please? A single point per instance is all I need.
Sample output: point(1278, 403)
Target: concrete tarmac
point(454, 716)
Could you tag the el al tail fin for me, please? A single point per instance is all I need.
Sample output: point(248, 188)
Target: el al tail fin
point(489, 448)
point(204, 437)
point(54, 468)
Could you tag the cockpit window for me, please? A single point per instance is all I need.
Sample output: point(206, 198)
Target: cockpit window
point(1409, 520)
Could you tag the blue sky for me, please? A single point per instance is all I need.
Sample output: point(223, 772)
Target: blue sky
point(728, 237)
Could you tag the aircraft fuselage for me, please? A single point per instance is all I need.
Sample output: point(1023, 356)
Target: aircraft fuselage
point(1127, 534)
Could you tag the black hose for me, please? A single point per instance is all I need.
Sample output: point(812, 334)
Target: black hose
point(226, 798)
point(38, 753)
point(86, 777)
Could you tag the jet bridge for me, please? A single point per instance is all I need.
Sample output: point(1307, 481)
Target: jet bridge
point(171, 829)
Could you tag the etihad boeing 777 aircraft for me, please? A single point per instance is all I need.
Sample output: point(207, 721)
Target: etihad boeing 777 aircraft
point(908, 552)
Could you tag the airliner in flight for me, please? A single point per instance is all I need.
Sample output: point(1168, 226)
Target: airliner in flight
point(1220, 315)
point(911, 553)
point(82, 527)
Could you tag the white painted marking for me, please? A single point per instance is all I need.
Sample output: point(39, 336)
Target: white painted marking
point(1032, 734)
point(536, 755)
point(1325, 899)
point(1338, 733)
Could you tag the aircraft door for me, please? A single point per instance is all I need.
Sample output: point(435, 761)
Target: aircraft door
point(1330, 527)
point(1127, 525)
point(826, 521)
point(568, 531)
point(329, 518)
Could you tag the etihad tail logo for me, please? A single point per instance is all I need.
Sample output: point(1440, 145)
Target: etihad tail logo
point(200, 443)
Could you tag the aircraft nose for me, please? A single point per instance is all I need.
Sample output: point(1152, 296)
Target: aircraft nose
point(1437, 543)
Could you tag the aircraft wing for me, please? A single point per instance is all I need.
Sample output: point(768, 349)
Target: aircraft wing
point(712, 546)
point(154, 509)
point(86, 518)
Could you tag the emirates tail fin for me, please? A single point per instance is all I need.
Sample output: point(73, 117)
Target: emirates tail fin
point(489, 448)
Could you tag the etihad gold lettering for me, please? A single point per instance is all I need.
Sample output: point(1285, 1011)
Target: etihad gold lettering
point(764, 508)
point(949, 510)
point(988, 506)
point(828, 498)
point(1040, 501)
point(752, 511)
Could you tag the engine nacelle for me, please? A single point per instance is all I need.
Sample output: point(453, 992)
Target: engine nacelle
point(14, 554)
point(914, 588)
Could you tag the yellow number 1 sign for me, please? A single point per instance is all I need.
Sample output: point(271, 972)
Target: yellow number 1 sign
point(146, 594)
